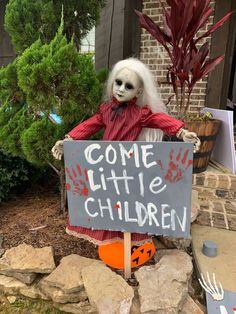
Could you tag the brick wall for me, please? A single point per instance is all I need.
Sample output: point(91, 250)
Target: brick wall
point(216, 199)
point(153, 54)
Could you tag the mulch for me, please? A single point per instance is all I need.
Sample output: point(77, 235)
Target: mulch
point(40, 208)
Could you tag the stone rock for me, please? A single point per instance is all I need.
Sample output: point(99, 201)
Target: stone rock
point(191, 307)
point(65, 283)
point(59, 296)
point(67, 276)
point(9, 285)
point(107, 291)
point(12, 286)
point(135, 308)
point(3, 300)
point(27, 278)
point(2, 251)
point(27, 259)
point(175, 243)
point(160, 253)
point(76, 308)
point(1, 239)
point(163, 287)
point(11, 299)
point(33, 291)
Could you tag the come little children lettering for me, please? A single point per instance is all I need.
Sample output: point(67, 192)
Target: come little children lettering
point(130, 186)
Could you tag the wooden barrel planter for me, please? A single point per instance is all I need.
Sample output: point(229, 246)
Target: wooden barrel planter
point(207, 132)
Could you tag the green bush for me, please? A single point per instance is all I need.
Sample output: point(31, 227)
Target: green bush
point(9, 89)
point(10, 132)
point(14, 175)
point(28, 20)
point(38, 140)
point(47, 78)
point(55, 77)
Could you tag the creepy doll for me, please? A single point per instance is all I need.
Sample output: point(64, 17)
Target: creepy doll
point(132, 111)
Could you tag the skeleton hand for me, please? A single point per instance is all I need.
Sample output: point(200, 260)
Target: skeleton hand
point(58, 148)
point(216, 293)
point(189, 137)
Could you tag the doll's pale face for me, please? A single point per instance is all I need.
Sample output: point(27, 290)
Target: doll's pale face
point(127, 85)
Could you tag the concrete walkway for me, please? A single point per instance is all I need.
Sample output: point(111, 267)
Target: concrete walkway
point(224, 264)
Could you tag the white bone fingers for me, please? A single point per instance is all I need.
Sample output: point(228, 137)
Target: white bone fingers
point(216, 292)
point(57, 150)
point(189, 137)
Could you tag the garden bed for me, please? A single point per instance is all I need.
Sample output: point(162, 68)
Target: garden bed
point(34, 218)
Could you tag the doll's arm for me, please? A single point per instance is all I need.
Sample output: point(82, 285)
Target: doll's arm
point(81, 132)
point(171, 126)
point(160, 120)
point(87, 128)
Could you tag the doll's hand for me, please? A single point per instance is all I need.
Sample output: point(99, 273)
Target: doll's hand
point(189, 137)
point(58, 148)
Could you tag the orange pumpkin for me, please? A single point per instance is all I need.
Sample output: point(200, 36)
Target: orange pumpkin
point(113, 254)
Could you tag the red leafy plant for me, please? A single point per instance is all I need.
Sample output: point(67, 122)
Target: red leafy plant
point(179, 35)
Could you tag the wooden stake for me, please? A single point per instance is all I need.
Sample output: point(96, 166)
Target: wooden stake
point(127, 254)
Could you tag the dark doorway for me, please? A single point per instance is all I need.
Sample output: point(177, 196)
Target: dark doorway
point(118, 33)
point(223, 43)
point(231, 102)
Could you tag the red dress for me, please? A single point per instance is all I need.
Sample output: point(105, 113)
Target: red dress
point(122, 122)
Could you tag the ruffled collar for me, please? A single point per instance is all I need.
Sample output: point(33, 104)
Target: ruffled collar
point(118, 107)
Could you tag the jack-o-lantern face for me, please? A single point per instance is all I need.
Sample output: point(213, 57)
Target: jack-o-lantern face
point(113, 254)
point(141, 254)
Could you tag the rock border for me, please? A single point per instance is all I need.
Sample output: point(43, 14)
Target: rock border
point(82, 285)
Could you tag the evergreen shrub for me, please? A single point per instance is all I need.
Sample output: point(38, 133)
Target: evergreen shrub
point(14, 175)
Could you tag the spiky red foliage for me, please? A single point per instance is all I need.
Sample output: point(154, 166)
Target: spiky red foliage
point(190, 61)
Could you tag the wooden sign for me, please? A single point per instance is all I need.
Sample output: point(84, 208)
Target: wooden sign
point(225, 306)
point(142, 187)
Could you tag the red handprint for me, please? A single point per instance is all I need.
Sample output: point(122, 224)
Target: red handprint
point(177, 165)
point(77, 185)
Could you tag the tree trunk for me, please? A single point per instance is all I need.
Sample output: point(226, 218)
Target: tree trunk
point(61, 174)
point(63, 190)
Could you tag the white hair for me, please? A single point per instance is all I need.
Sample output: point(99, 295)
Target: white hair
point(149, 96)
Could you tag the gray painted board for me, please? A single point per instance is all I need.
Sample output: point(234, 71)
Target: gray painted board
point(130, 186)
point(225, 306)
